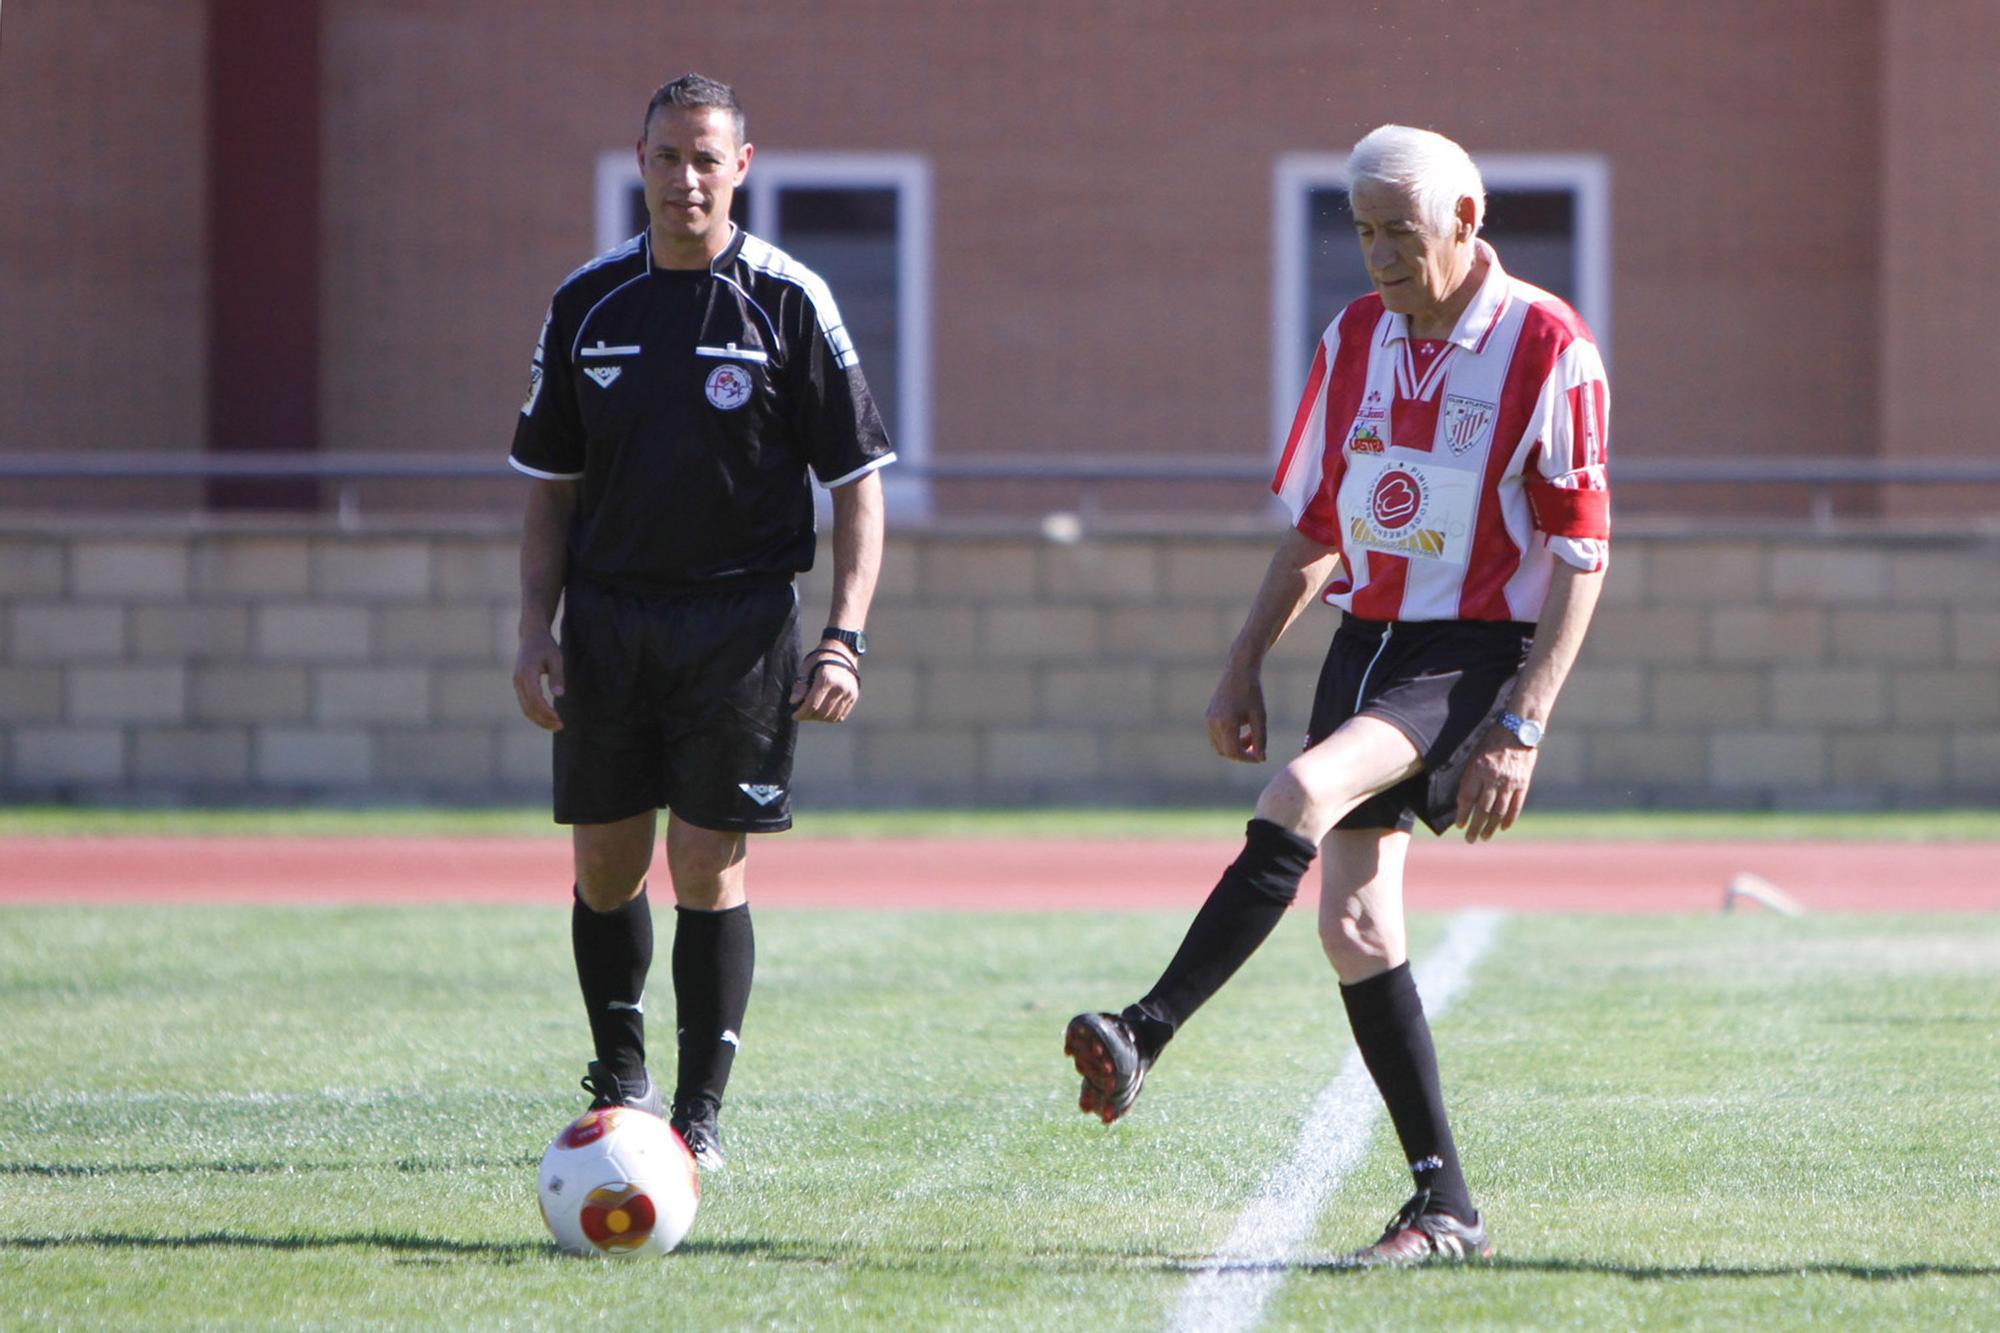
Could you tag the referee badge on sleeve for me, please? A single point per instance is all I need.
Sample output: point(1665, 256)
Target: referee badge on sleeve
point(727, 387)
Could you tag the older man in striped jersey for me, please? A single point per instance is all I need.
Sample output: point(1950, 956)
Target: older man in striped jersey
point(1446, 475)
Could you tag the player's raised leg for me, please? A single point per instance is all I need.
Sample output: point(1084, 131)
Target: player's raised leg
point(611, 936)
point(1362, 930)
point(715, 955)
point(1113, 1052)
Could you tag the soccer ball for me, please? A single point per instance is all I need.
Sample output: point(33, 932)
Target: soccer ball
point(618, 1182)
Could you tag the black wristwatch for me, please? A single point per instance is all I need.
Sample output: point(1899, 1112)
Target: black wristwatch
point(853, 638)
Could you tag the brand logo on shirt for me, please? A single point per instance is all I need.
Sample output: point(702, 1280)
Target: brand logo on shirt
point(1365, 440)
point(603, 375)
point(1465, 421)
point(760, 792)
point(1372, 408)
point(1397, 500)
point(728, 388)
point(1396, 509)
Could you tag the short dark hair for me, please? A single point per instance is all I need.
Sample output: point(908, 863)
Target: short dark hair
point(697, 91)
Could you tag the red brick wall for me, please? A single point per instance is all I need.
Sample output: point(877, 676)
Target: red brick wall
point(1103, 183)
point(102, 267)
point(1940, 268)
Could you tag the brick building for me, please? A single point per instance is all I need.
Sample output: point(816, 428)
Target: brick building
point(1059, 229)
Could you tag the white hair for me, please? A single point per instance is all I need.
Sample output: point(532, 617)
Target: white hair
point(1433, 170)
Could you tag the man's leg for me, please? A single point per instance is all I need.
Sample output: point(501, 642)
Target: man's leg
point(1361, 929)
point(714, 956)
point(1364, 755)
point(611, 935)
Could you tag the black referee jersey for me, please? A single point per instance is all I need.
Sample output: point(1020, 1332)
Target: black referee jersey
point(689, 405)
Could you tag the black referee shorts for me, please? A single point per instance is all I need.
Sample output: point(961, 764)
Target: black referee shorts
point(1439, 682)
point(679, 700)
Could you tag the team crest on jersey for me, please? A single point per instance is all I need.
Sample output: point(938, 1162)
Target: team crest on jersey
point(727, 387)
point(1366, 439)
point(603, 375)
point(1465, 422)
point(535, 369)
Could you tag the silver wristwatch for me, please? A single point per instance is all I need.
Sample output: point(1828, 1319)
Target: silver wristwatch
point(1524, 731)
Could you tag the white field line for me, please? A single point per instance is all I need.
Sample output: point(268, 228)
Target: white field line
point(1230, 1290)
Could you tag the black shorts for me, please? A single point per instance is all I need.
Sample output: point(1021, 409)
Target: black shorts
point(681, 700)
point(1439, 682)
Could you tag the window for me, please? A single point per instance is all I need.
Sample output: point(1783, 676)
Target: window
point(1547, 215)
point(862, 222)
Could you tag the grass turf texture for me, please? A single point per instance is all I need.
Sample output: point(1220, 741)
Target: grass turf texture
point(331, 1116)
point(70, 821)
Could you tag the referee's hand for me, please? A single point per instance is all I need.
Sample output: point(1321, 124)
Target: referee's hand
point(829, 684)
point(540, 657)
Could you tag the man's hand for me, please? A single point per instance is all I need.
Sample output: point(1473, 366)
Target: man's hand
point(1236, 717)
point(540, 657)
point(829, 684)
point(1495, 785)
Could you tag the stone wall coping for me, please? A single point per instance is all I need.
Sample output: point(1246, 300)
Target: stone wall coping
point(1876, 534)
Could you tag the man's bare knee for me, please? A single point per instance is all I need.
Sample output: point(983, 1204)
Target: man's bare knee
point(1359, 947)
point(1289, 802)
point(707, 866)
point(612, 861)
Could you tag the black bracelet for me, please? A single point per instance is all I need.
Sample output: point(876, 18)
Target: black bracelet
point(819, 657)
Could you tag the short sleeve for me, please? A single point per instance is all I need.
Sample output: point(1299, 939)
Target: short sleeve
point(549, 438)
point(834, 413)
point(1568, 482)
point(1309, 474)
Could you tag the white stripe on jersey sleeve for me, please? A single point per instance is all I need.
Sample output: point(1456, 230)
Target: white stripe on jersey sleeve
point(860, 472)
point(767, 258)
point(519, 466)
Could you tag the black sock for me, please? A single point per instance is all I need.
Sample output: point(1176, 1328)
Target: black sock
point(714, 956)
point(1387, 1016)
point(1241, 912)
point(614, 951)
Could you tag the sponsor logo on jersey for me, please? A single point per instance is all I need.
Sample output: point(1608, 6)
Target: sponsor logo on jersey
point(1465, 422)
point(761, 792)
point(727, 387)
point(1366, 439)
point(1396, 506)
point(1372, 407)
point(603, 375)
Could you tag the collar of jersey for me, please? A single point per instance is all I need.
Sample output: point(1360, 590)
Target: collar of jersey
point(1477, 319)
point(722, 260)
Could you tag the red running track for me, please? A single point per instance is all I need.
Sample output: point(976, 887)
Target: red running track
point(1014, 875)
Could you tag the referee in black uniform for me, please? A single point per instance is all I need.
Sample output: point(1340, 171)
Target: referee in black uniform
point(683, 385)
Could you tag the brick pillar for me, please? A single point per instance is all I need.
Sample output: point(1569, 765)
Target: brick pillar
point(263, 241)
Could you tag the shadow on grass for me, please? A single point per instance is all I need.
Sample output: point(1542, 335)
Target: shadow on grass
point(63, 1170)
point(512, 1251)
point(1657, 1272)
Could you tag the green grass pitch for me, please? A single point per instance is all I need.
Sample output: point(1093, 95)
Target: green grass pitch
point(330, 1117)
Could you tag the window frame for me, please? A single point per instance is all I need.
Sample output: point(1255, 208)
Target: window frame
point(1587, 176)
point(907, 492)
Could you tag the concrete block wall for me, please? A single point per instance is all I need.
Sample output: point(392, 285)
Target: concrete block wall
point(274, 662)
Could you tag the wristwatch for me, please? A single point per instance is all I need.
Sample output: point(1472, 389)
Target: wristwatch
point(853, 638)
point(1524, 731)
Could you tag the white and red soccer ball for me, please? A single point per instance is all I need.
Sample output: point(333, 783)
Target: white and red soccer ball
point(617, 1183)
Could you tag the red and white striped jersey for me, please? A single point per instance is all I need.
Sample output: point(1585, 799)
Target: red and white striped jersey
point(1451, 476)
